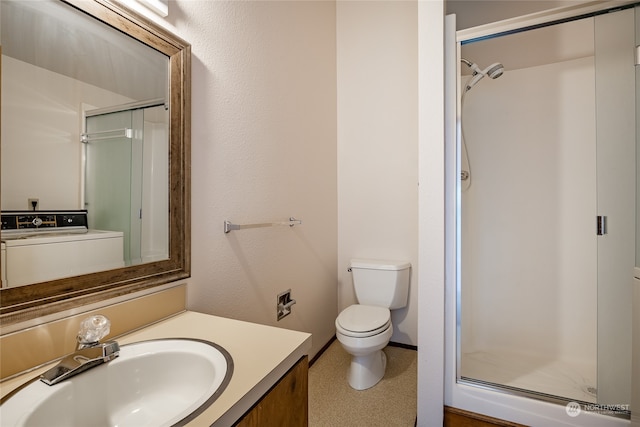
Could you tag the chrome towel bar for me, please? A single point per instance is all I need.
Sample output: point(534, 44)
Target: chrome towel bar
point(229, 226)
point(107, 134)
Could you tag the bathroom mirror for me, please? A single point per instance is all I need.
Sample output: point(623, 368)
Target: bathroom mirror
point(138, 63)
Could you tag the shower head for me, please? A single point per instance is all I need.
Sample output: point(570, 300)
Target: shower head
point(494, 71)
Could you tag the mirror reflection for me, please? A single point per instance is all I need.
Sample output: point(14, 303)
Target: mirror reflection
point(85, 145)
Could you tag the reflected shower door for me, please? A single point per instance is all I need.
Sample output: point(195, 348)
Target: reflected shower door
point(127, 176)
point(113, 176)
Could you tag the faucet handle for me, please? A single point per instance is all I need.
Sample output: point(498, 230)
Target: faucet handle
point(93, 329)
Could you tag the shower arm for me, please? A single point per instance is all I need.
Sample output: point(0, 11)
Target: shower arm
point(474, 67)
point(476, 70)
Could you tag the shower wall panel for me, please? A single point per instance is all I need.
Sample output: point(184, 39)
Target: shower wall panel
point(529, 247)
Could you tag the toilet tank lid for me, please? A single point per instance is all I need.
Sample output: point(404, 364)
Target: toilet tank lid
point(375, 264)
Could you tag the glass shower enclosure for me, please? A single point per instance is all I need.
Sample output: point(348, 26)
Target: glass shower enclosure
point(547, 212)
point(126, 178)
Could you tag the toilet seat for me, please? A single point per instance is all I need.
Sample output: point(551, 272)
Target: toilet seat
point(361, 321)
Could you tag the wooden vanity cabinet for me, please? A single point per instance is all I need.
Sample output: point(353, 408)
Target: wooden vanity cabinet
point(455, 417)
point(286, 404)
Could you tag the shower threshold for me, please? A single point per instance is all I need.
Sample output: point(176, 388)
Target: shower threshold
point(551, 377)
point(550, 398)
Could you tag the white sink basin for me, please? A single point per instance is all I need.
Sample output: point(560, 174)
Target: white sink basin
point(152, 383)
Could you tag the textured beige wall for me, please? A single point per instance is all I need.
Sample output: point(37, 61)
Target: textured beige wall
point(263, 149)
point(378, 144)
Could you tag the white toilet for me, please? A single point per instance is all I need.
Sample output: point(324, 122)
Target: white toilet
point(364, 329)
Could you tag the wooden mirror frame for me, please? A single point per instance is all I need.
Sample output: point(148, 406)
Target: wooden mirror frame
point(29, 302)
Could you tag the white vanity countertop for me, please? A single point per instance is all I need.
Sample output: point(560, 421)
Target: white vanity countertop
point(261, 355)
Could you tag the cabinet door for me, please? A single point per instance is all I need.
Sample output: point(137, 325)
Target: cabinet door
point(286, 404)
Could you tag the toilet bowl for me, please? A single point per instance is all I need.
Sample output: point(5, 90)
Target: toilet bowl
point(363, 332)
point(364, 329)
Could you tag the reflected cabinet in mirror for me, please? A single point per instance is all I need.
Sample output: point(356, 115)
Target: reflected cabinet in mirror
point(95, 155)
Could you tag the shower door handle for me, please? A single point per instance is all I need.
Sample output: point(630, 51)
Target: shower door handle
point(601, 225)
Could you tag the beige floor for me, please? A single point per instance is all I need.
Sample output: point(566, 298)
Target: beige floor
point(390, 403)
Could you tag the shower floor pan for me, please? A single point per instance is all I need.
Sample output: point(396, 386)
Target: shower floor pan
point(547, 378)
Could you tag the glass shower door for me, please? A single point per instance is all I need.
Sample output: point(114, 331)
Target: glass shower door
point(113, 177)
point(528, 245)
point(615, 148)
point(547, 226)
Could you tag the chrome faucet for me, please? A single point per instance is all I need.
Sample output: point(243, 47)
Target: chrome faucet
point(89, 354)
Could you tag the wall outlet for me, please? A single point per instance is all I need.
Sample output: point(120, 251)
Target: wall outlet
point(33, 204)
point(284, 304)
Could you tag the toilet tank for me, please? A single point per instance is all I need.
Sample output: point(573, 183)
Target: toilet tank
point(381, 283)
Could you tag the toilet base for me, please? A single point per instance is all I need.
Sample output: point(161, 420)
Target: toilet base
point(366, 371)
